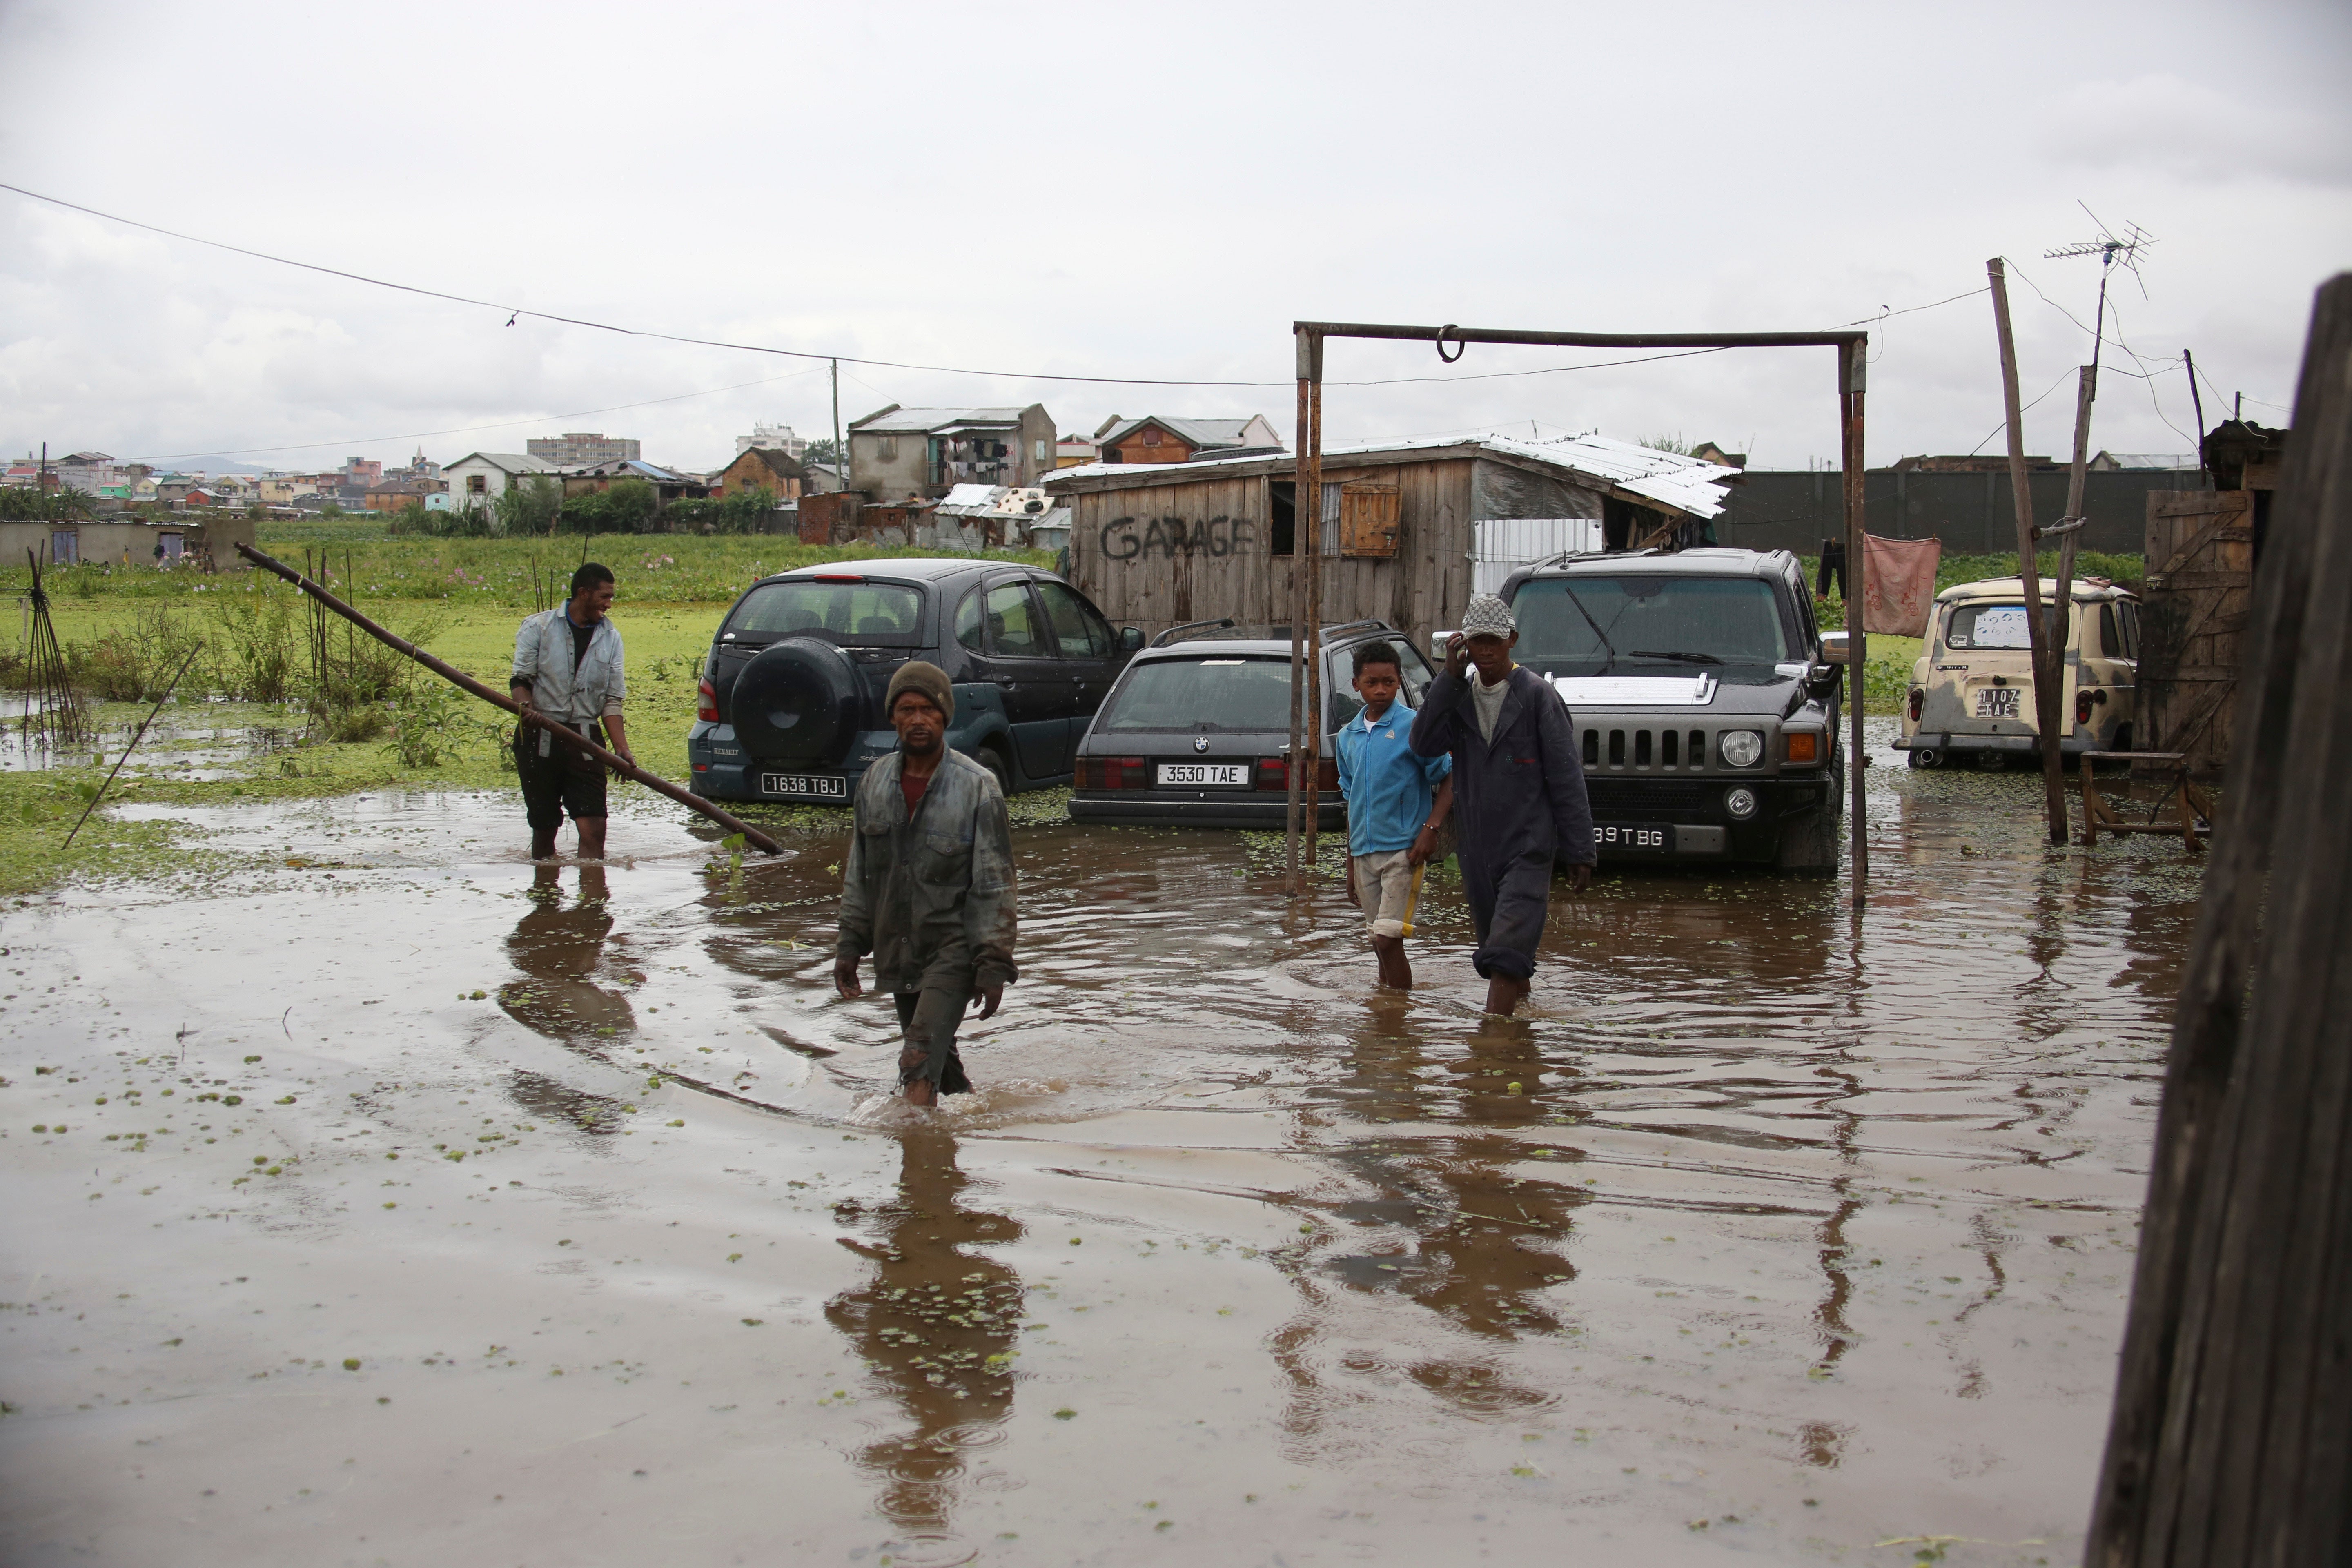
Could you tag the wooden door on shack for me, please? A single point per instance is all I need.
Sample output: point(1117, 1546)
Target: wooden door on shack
point(2201, 574)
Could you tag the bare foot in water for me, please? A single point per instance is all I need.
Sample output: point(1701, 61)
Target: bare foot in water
point(919, 1090)
point(1503, 994)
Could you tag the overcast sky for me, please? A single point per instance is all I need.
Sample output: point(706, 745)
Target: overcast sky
point(1140, 192)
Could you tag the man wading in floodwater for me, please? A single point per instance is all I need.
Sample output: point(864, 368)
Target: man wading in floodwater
point(567, 667)
point(929, 887)
point(1518, 792)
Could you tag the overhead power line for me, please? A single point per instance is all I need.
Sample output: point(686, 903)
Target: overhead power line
point(516, 311)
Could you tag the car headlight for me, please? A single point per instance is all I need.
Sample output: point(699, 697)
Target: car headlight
point(1741, 748)
point(1741, 802)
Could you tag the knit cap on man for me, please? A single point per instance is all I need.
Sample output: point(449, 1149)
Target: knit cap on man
point(1487, 617)
point(929, 680)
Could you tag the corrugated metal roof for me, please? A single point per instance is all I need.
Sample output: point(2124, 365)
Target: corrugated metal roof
point(1200, 433)
point(932, 421)
point(990, 501)
point(1683, 483)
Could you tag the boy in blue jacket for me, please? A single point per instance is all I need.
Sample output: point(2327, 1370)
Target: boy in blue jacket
point(1396, 804)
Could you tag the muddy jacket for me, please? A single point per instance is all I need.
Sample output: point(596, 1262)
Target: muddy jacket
point(1521, 793)
point(932, 900)
point(543, 658)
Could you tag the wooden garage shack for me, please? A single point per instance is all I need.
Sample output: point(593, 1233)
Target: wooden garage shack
point(1158, 545)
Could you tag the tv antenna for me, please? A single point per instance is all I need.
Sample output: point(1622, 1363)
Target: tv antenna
point(2125, 249)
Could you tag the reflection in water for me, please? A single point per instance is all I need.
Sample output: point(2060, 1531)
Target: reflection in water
point(561, 951)
point(936, 1324)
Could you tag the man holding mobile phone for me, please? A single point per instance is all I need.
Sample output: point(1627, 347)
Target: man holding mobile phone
point(1519, 793)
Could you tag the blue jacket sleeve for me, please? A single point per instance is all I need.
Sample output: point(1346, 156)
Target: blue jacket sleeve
point(1437, 728)
point(1571, 809)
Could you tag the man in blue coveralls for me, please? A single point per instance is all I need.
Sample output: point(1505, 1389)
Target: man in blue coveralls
point(1521, 786)
point(1397, 802)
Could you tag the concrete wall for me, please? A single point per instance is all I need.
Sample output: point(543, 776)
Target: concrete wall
point(1971, 514)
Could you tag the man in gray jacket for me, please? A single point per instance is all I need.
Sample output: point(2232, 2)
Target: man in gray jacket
point(1518, 792)
point(929, 887)
point(567, 666)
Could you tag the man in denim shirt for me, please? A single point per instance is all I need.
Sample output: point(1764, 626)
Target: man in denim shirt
point(567, 667)
point(1393, 817)
point(929, 888)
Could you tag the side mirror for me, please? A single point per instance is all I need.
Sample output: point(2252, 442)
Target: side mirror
point(1833, 648)
point(1131, 640)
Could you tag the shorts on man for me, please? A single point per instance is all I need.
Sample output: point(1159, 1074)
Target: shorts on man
point(557, 779)
point(1384, 886)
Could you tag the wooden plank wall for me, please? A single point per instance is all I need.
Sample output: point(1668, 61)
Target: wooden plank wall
point(2199, 583)
point(1157, 555)
point(2231, 1443)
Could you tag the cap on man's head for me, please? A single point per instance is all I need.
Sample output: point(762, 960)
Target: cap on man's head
point(925, 680)
point(1487, 617)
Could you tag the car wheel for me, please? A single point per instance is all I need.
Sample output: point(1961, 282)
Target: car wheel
point(1808, 843)
point(992, 758)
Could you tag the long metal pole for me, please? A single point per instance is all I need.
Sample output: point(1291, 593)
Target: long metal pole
point(840, 457)
point(459, 678)
point(1311, 356)
point(1311, 506)
point(2062, 596)
point(2028, 565)
point(1852, 359)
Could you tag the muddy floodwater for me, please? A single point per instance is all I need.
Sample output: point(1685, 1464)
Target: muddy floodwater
point(389, 1201)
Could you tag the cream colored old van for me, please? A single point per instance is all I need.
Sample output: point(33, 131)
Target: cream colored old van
point(1972, 688)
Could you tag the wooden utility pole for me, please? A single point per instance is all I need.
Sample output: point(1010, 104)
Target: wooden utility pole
point(2028, 570)
point(1301, 759)
point(840, 457)
point(2231, 1441)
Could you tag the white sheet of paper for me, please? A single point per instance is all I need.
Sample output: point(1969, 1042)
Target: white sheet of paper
point(2003, 627)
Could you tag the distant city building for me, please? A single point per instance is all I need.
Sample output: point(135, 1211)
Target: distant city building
point(771, 439)
point(1076, 451)
point(420, 466)
point(578, 448)
point(362, 471)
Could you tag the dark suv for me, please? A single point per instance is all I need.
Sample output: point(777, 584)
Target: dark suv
point(1706, 711)
point(791, 694)
point(1196, 732)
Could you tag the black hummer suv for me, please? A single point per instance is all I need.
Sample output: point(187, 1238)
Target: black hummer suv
point(791, 703)
point(1706, 709)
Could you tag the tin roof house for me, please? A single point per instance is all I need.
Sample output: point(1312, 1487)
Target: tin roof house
point(1407, 530)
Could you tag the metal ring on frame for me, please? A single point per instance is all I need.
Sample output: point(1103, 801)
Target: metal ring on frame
point(1460, 348)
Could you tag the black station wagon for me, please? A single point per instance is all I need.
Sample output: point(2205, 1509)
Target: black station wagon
point(1196, 732)
point(791, 703)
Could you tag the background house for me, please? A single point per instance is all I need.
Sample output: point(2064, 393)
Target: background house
point(895, 452)
point(479, 478)
point(597, 477)
point(756, 466)
point(1158, 439)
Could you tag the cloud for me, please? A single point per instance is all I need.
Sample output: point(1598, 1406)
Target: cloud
point(2180, 129)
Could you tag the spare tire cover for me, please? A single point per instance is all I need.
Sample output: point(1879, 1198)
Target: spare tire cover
point(797, 702)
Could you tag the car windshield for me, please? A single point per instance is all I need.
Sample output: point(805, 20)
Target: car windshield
point(1212, 695)
point(1653, 623)
point(849, 610)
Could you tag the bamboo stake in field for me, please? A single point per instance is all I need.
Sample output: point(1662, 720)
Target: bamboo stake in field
point(570, 737)
point(137, 736)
